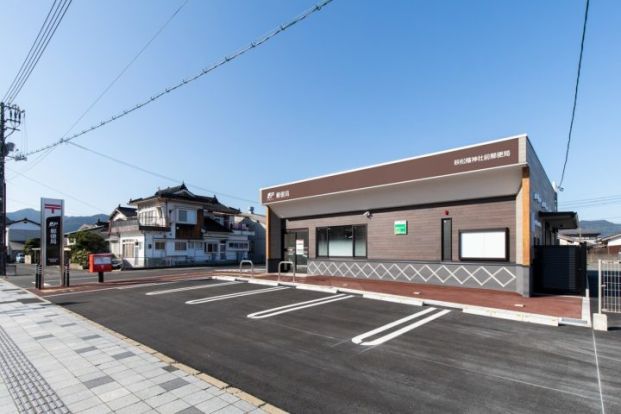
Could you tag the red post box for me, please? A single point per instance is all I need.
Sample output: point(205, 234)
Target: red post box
point(100, 263)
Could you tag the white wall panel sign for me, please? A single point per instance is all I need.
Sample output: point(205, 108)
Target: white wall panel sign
point(484, 244)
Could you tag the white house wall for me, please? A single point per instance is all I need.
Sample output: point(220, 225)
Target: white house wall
point(21, 231)
point(615, 242)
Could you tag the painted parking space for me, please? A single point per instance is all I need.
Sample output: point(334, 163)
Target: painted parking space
point(196, 291)
point(236, 295)
point(385, 330)
point(305, 360)
point(206, 285)
point(242, 290)
point(268, 313)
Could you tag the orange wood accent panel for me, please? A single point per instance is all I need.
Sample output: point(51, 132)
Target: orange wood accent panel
point(267, 233)
point(526, 236)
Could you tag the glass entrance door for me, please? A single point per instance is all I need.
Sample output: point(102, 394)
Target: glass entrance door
point(296, 249)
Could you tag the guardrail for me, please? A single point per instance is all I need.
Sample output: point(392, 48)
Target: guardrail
point(241, 263)
point(286, 262)
point(608, 292)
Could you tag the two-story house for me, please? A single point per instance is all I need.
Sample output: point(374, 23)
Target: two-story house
point(176, 227)
point(254, 224)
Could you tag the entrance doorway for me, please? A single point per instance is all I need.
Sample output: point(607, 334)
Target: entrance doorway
point(296, 250)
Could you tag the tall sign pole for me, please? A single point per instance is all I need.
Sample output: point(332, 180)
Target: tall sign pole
point(52, 237)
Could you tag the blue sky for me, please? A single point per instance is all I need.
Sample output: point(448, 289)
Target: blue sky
point(359, 83)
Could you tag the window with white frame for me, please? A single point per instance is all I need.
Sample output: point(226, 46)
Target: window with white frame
point(181, 246)
point(195, 245)
point(150, 216)
point(238, 245)
point(160, 244)
point(211, 247)
point(186, 216)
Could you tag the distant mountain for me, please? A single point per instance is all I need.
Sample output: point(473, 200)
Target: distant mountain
point(604, 227)
point(72, 223)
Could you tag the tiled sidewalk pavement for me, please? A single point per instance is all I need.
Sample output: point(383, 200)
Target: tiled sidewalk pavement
point(55, 361)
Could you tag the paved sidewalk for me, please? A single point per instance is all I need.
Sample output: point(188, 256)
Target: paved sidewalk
point(54, 361)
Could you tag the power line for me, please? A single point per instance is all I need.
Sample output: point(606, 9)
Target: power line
point(573, 110)
point(32, 47)
point(59, 14)
point(131, 62)
point(598, 205)
point(592, 202)
point(41, 42)
point(110, 85)
point(593, 199)
point(155, 174)
point(184, 82)
point(33, 164)
point(79, 200)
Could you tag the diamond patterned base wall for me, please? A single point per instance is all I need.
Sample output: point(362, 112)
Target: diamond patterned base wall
point(490, 276)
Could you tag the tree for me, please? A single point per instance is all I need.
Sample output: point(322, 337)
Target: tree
point(31, 244)
point(84, 243)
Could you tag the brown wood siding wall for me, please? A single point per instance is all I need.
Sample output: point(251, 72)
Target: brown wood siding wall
point(423, 241)
point(274, 236)
point(188, 231)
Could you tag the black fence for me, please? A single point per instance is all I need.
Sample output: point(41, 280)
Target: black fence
point(560, 269)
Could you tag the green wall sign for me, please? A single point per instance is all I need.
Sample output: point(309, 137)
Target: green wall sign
point(401, 227)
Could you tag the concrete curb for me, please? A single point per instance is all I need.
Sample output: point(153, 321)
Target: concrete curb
point(257, 402)
point(393, 298)
point(317, 288)
point(535, 318)
point(514, 316)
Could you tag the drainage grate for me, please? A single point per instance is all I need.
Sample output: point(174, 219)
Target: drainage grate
point(29, 390)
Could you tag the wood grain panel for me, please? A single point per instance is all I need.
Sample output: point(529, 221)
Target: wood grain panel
point(526, 236)
point(423, 241)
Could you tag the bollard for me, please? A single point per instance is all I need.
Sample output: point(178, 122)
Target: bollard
point(101, 277)
point(38, 276)
point(67, 275)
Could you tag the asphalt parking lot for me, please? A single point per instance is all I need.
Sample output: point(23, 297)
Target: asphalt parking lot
point(344, 353)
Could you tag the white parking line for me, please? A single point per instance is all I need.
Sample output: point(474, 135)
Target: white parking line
point(162, 292)
point(234, 295)
point(144, 285)
point(599, 378)
point(80, 292)
point(297, 306)
point(358, 339)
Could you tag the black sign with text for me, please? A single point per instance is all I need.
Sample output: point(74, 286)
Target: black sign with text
point(53, 241)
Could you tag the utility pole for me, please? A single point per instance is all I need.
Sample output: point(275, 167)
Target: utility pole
point(10, 119)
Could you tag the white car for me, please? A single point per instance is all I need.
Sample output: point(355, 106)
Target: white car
point(19, 258)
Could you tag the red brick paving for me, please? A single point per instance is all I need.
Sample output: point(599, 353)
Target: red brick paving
point(552, 305)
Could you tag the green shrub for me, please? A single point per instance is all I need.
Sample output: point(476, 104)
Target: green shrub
point(86, 242)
